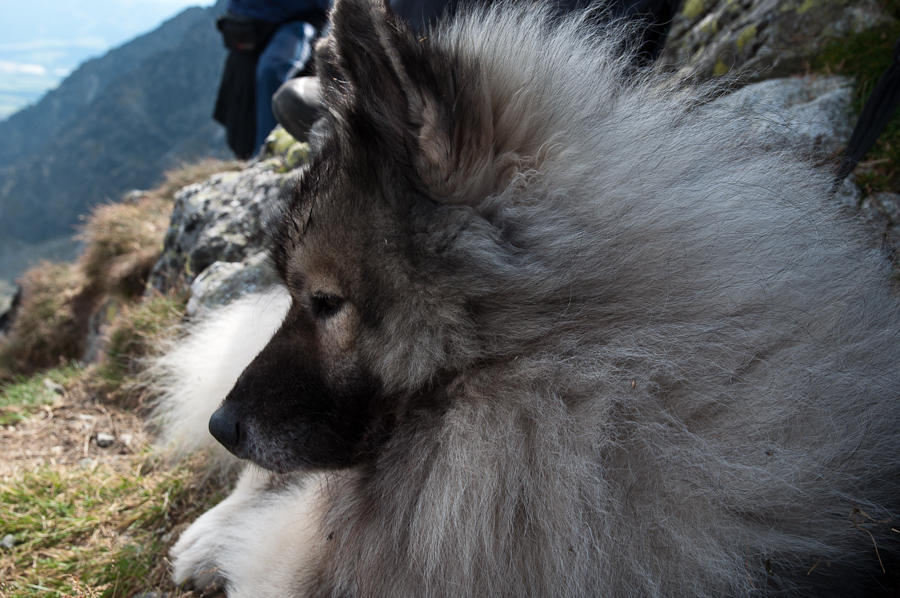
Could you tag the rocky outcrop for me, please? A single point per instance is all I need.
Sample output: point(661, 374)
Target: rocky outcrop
point(762, 39)
point(216, 243)
point(810, 114)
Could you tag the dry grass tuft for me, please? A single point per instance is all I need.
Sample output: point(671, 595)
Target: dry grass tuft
point(52, 321)
point(122, 244)
point(188, 174)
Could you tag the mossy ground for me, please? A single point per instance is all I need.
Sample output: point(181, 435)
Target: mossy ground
point(22, 397)
point(865, 56)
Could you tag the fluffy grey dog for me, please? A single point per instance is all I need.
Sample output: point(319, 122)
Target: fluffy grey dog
point(551, 327)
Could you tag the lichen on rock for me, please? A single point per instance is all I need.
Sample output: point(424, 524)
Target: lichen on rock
point(220, 227)
point(761, 39)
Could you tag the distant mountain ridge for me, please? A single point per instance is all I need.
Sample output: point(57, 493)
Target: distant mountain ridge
point(115, 124)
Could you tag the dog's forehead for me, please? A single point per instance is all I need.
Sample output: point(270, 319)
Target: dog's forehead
point(334, 226)
point(340, 208)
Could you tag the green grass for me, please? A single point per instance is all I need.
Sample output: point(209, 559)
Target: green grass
point(101, 533)
point(24, 396)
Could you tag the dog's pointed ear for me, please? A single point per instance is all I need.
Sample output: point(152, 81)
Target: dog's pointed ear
point(395, 90)
point(363, 63)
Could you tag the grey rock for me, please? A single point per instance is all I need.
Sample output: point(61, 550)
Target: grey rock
point(761, 39)
point(8, 541)
point(224, 282)
point(54, 387)
point(810, 114)
point(225, 219)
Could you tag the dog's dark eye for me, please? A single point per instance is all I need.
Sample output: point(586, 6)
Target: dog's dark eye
point(324, 305)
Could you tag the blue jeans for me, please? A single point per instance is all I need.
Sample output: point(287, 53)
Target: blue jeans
point(286, 55)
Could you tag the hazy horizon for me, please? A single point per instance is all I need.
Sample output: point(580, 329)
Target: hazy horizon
point(43, 41)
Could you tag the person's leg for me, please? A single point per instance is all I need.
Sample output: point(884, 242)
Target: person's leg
point(286, 55)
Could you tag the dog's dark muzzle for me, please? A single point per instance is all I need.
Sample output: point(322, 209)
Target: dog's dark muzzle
point(226, 428)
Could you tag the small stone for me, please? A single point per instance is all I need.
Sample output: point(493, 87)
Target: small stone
point(890, 205)
point(134, 196)
point(126, 439)
point(105, 440)
point(872, 212)
point(848, 195)
point(8, 541)
point(223, 282)
point(54, 387)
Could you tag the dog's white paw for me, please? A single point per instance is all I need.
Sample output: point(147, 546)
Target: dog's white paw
point(194, 560)
point(199, 555)
point(257, 542)
point(202, 556)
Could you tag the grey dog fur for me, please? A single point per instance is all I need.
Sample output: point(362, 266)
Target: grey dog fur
point(655, 363)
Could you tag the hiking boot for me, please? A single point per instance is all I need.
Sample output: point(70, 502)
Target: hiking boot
point(297, 105)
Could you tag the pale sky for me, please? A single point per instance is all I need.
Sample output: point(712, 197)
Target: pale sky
point(42, 32)
point(42, 41)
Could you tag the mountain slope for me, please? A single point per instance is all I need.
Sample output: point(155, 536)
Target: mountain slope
point(116, 123)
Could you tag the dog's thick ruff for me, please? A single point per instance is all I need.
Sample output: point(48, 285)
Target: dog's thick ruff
point(556, 331)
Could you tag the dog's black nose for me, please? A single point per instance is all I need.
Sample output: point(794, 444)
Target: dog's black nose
point(225, 428)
